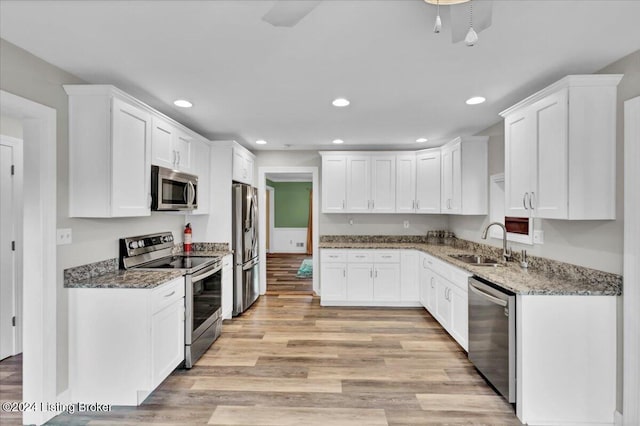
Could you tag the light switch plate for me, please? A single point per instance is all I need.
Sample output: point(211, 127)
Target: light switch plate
point(63, 236)
point(538, 237)
point(406, 224)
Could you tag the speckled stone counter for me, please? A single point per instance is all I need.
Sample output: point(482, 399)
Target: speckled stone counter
point(131, 278)
point(546, 277)
point(205, 249)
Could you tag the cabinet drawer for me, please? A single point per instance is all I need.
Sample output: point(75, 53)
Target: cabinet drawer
point(166, 294)
point(333, 256)
point(227, 262)
point(360, 256)
point(386, 256)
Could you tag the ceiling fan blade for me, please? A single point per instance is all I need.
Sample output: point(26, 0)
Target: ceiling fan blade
point(287, 13)
point(482, 11)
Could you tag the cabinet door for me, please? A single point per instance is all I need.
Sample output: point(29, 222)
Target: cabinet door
point(428, 182)
point(249, 164)
point(131, 157)
point(519, 163)
point(447, 179)
point(424, 282)
point(358, 184)
point(360, 279)
point(442, 305)
point(383, 184)
point(386, 282)
point(201, 166)
point(162, 151)
point(334, 184)
point(183, 146)
point(432, 292)
point(333, 283)
point(405, 183)
point(167, 341)
point(550, 194)
point(239, 170)
point(459, 324)
point(410, 276)
point(227, 286)
point(455, 201)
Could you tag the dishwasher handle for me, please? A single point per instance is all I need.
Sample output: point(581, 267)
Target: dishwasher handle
point(491, 298)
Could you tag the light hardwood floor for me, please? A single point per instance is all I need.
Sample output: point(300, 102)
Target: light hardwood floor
point(10, 388)
point(289, 361)
point(281, 274)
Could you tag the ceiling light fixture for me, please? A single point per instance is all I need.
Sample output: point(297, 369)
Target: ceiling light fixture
point(472, 37)
point(182, 103)
point(338, 141)
point(340, 102)
point(438, 25)
point(475, 100)
point(421, 140)
point(261, 142)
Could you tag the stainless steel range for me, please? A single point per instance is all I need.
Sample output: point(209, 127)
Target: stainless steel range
point(203, 286)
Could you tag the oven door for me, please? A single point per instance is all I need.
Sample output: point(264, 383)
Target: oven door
point(203, 302)
point(171, 190)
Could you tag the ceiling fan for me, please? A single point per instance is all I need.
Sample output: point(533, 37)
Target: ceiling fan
point(466, 22)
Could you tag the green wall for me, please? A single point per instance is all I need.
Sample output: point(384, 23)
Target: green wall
point(291, 201)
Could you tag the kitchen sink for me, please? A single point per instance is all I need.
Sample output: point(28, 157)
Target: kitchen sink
point(472, 259)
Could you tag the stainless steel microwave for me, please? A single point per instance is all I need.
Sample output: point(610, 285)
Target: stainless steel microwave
point(172, 190)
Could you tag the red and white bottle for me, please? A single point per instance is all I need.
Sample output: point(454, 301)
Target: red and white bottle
point(187, 238)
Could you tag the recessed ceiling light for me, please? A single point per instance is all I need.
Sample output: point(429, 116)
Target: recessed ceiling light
point(340, 102)
point(261, 142)
point(338, 141)
point(420, 140)
point(475, 100)
point(182, 103)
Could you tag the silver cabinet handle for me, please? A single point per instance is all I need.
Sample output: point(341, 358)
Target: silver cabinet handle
point(333, 256)
point(386, 256)
point(174, 157)
point(170, 294)
point(342, 204)
point(344, 272)
point(418, 205)
point(524, 200)
point(413, 204)
point(531, 199)
point(360, 256)
point(178, 157)
point(376, 273)
point(432, 284)
point(370, 273)
point(373, 204)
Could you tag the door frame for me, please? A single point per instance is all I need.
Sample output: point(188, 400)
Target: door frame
point(272, 213)
point(262, 184)
point(16, 144)
point(631, 271)
point(39, 275)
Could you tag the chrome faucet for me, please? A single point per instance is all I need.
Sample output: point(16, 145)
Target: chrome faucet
point(506, 252)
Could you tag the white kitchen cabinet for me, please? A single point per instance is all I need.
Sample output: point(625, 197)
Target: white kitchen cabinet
point(334, 281)
point(170, 146)
point(459, 315)
point(386, 282)
point(406, 183)
point(334, 183)
point(227, 286)
point(383, 183)
point(183, 147)
point(442, 310)
point(465, 176)
point(243, 165)
point(427, 285)
point(428, 175)
point(123, 342)
point(202, 169)
point(560, 150)
point(358, 183)
point(109, 153)
point(360, 282)
point(409, 275)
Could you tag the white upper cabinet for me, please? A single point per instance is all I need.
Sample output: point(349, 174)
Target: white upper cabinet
point(109, 153)
point(560, 150)
point(202, 169)
point(334, 183)
point(406, 183)
point(383, 183)
point(170, 146)
point(465, 176)
point(428, 181)
point(358, 183)
point(243, 164)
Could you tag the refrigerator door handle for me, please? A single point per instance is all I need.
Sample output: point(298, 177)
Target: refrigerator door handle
point(250, 264)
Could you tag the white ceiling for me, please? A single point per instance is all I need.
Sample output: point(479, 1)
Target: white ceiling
point(249, 80)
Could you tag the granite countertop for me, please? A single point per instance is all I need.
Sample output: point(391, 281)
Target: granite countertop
point(207, 253)
point(130, 278)
point(510, 275)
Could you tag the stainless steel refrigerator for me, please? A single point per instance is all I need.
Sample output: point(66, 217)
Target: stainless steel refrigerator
point(246, 285)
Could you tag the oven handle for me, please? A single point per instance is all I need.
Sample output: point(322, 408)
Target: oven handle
point(491, 298)
point(206, 273)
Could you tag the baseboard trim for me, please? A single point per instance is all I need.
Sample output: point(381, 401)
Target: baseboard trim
point(618, 419)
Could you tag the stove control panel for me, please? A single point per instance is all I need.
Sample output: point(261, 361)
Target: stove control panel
point(141, 244)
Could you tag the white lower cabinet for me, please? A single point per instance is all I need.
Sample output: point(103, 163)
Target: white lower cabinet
point(123, 342)
point(386, 282)
point(459, 316)
point(227, 286)
point(360, 282)
point(410, 275)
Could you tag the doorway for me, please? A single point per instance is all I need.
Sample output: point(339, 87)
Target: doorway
point(290, 221)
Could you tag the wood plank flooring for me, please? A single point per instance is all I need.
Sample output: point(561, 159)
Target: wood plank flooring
point(11, 387)
point(289, 361)
point(281, 274)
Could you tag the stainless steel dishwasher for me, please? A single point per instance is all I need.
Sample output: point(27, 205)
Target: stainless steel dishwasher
point(492, 335)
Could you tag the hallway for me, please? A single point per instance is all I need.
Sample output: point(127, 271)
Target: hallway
point(281, 275)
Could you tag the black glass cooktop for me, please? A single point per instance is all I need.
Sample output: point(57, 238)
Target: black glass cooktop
point(179, 262)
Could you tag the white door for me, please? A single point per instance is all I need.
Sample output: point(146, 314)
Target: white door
point(131, 157)
point(334, 184)
point(358, 184)
point(405, 183)
point(7, 255)
point(428, 182)
point(162, 151)
point(459, 325)
point(519, 164)
point(334, 281)
point(360, 279)
point(383, 184)
point(386, 282)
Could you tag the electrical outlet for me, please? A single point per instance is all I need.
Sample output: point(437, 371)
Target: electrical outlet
point(406, 224)
point(63, 236)
point(538, 237)
point(299, 244)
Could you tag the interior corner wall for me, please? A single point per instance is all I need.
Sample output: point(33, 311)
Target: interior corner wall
point(351, 224)
point(28, 76)
point(595, 243)
point(10, 126)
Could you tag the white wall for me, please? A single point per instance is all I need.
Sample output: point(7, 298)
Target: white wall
point(93, 239)
point(594, 244)
point(363, 224)
point(9, 126)
point(287, 240)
